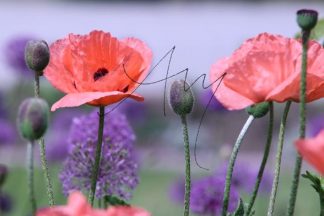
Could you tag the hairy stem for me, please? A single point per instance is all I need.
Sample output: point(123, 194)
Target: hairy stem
point(278, 159)
point(302, 125)
point(96, 166)
point(187, 160)
point(49, 188)
point(30, 171)
point(231, 164)
point(263, 163)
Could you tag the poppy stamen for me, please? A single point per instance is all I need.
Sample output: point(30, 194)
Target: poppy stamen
point(101, 72)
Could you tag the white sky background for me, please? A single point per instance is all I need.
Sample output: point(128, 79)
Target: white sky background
point(201, 32)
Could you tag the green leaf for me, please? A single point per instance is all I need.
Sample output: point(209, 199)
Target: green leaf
point(115, 201)
point(316, 182)
point(240, 209)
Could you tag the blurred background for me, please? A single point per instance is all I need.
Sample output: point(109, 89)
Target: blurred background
point(202, 32)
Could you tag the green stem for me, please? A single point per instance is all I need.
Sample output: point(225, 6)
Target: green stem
point(187, 159)
point(278, 159)
point(231, 164)
point(263, 163)
point(96, 166)
point(321, 195)
point(30, 171)
point(302, 125)
point(49, 188)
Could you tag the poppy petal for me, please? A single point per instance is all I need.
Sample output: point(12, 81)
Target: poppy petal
point(312, 150)
point(93, 98)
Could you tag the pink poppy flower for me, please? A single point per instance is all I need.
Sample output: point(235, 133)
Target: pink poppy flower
point(90, 69)
point(267, 68)
point(312, 150)
point(78, 206)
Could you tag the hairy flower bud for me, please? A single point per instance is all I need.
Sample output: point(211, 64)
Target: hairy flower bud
point(181, 97)
point(307, 19)
point(33, 118)
point(3, 174)
point(258, 110)
point(37, 55)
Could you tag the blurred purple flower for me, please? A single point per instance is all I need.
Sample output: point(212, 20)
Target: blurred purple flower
point(118, 174)
point(315, 125)
point(134, 111)
point(57, 143)
point(207, 196)
point(244, 177)
point(177, 190)
point(3, 113)
point(7, 133)
point(15, 54)
point(5, 203)
point(206, 96)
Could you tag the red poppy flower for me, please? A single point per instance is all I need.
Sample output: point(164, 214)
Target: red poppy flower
point(78, 206)
point(267, 68)
point(312, 150)
point(91, 68)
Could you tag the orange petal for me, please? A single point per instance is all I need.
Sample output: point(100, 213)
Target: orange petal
point(312, 150)
point(93, 98)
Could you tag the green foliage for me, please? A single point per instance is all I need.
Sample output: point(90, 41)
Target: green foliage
point(115, 201)
point(317, 33)
point(317, 182)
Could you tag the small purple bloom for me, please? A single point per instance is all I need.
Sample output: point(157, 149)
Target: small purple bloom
point(207, 196)
point(15, 54)
point(316, 124)
point(214, 104)
point(134, 111)
point(7, 133)
point(118, 173)
point(177, 190)
point(5, 203)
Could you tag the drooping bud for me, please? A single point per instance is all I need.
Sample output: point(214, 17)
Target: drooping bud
point(37, 55)
point(33, 118)
point(307, 19)
point(3, 174)
point(258, 110)
point(181, 97)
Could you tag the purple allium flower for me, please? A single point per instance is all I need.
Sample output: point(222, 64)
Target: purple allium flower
point(206, 96)
point(57, 143)
point(3, 112)
point(244, 177)
point(118, 173)
point(7, 133)
point(316, 124)
point(5, 203)
point(134, 111)
point(15, 54)
point(177, 190)
point(207, 196)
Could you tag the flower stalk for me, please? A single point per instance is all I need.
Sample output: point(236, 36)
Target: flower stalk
point(264, 161)
point(278, 159)
point(30, 171)
point(96, 167)
point(231, 164)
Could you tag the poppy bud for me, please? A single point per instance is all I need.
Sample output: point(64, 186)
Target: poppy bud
point(33, 118)
point(37, 55)
point(307, 19)
point(3, 174)
point(258, 110)
point(181, 97)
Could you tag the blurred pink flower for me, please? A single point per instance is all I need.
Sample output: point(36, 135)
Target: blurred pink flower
point(78, 206)
point(312, 150)
point(267, 68)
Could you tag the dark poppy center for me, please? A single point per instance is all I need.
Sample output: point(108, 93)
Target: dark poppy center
point(101, 72)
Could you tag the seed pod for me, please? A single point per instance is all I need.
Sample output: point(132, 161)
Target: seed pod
point(307, 19)
point(258, 110)
point(37, 55)
point(33, 118)
point(181, 97)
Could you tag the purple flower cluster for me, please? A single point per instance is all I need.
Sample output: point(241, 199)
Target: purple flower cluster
point(7, 132)
point(5, 203)
point(118, 173)
point(15, 54)
point(208, 99)
point(316, 124)
point(207, 196)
